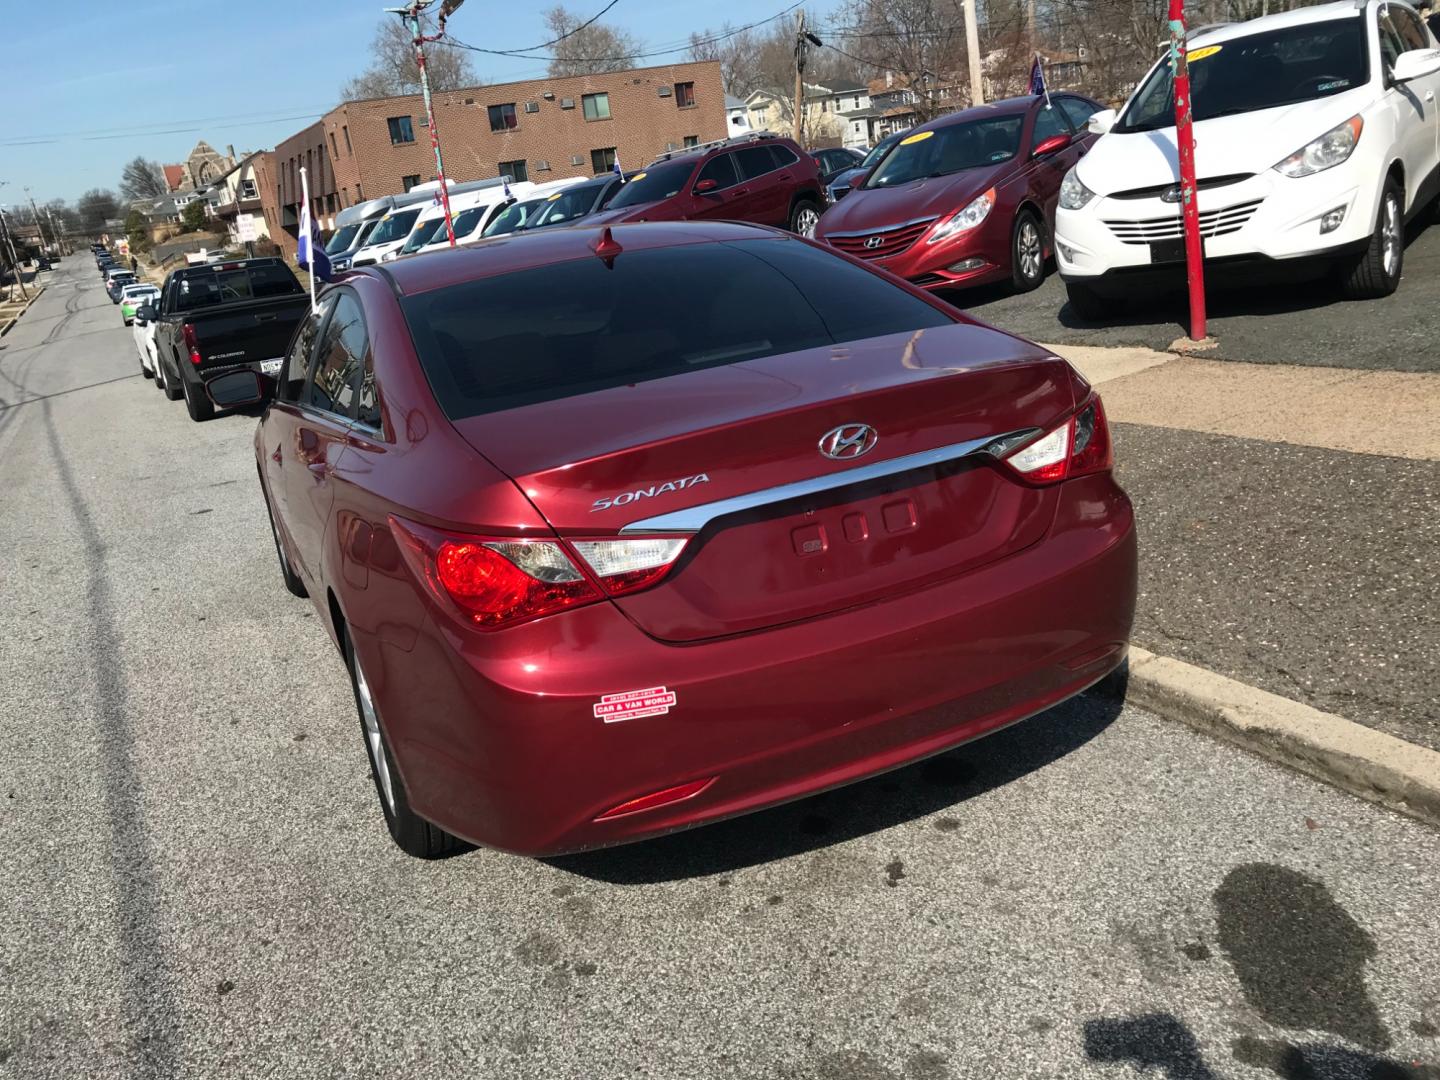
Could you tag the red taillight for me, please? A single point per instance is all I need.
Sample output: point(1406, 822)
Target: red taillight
point(658, 798)
point(625, 566)
point(1079, 446)
point(192, 343)
point(491, 582)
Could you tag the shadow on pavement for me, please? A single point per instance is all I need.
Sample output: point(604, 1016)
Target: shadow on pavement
point(833, 817)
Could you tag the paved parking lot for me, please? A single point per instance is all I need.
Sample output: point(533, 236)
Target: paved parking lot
point(198, 882)
point(1271, 324)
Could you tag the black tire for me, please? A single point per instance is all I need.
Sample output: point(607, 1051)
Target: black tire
point(804, 216)
point(287, 574)
point(1377, 271)
point(196, 404)
point(1089, 304)
point(171, 386)
point(411, 833)
point(1027, 252)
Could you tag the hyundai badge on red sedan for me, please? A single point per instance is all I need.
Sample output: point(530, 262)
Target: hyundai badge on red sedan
point(622, 531)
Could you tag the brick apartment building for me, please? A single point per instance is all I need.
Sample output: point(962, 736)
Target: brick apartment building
point(538, 130)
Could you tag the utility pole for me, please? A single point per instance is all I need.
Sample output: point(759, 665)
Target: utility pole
point(14, 260)
point(800, 45)
point(35, 215)
point(410, 15)
point(972, 55)
point(1030, 25)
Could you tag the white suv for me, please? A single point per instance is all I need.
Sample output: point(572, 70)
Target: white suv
point(1315, 138)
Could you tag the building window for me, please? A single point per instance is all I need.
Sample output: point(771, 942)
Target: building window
point(345, 130)
point(334, 152)
point(684, 95)
point(516, 170)
point(248, 190)
point(344, 197)
point(502, 117)
point(597, 106)
point(401, 130)
point(692, 140)
point(330, 203)
point(602, 161)
point(407, 182)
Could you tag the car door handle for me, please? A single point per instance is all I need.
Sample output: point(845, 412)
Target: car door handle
point(277, 457)
point(739, 191)
point(319, 469)
point(265, 318)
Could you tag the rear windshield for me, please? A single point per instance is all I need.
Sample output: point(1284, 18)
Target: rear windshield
point(655, 183)
point(206, 289)
point(1259, 71)
point(574, 328)
point(949, 149)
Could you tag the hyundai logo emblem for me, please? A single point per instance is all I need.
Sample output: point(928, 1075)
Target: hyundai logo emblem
point(848, 441)
point(874, 242)
point(1170, 195)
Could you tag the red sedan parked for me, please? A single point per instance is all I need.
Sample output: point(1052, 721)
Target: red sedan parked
point(625, 531)
point(969, 198)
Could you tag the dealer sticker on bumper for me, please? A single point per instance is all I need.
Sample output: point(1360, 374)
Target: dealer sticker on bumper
point(656, 701)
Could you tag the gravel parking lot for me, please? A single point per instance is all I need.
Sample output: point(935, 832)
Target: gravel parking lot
point(1263, 324)
point(198, 882)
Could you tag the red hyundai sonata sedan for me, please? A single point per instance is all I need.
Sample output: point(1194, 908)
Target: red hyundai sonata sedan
point(969, 198)
point(622, 531)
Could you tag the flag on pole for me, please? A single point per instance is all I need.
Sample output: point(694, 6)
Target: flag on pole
point(505, 187)
point(309, 252)
point(617, 170)
point(1037, 80)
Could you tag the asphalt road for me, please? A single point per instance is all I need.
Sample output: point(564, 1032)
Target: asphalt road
point(196, 881)
point(1276, 323)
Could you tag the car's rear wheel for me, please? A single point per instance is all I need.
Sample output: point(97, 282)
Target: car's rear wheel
point(1376, 273)
point(411, 833)
point(1090, 305)
point(804, 217)
point(196, 404)
point(291, 579)
point(1027, 252)
point(170, 386)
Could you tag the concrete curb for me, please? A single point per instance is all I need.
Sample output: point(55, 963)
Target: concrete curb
point(10, 325)
point(1355, 758)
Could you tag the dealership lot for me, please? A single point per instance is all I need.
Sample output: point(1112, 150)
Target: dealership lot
point(200, 885)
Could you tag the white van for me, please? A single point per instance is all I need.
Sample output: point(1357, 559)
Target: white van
point(470, 225)
point(395, 227)
point(465, 209)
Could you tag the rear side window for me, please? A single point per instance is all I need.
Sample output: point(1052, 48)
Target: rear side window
point(783, 155)
point(336, 380)
point(721, 169)
point(577, 327)
point(754, 161)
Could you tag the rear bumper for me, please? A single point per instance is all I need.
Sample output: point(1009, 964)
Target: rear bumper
point(497, 740)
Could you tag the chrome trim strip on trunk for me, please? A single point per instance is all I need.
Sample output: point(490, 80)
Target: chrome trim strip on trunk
point(694, 518)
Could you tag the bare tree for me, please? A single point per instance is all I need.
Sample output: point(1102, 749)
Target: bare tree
point(142, 179)
point(96, 207)
point(588, 50)
point(393, 70)
point(920, 44)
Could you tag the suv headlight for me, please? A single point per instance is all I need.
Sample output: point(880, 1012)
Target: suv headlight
point(1329, 150)
point(963, 220)
point(1073, 194)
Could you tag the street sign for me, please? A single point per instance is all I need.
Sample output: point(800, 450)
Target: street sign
point(245, 226)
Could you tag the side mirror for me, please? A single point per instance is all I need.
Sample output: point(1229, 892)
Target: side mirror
point(236, 389)
point(1415, 64)
point(1053, 145)
point(705, 187)
point(1101, 122)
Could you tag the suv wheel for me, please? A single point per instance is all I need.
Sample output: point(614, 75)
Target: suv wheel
point(172, 387)
point(412, 833)
point(1027, 252)
point(804, 217)
point(1377, 272)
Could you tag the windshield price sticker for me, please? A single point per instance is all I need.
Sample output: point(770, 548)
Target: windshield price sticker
point(656, 701)
point(1201, 54)
point(919, 136)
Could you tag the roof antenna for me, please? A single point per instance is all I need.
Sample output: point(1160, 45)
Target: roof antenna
point(607, 247)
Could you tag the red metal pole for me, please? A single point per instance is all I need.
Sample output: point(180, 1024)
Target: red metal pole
point(414, 22)
point(1185, 143)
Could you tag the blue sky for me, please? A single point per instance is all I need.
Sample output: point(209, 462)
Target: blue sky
point(246, 74)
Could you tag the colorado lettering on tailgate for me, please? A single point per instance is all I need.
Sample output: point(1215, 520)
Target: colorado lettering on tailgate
point(646, 493)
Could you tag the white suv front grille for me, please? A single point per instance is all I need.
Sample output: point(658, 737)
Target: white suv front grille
point(1212, 223)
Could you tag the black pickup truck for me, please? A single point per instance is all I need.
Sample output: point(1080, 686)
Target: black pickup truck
point(221, 316)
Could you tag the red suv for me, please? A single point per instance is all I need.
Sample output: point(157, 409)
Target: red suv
point(760, 178)
point(969, 198)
